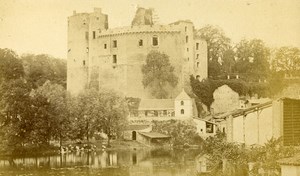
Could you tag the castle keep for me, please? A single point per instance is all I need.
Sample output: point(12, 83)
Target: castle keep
point(112, 58)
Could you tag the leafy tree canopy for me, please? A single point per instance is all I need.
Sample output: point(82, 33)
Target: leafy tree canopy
point(287, 60)
point(42, 67)
point(158, 73)
point(10, 66)
point(217, 42)
point(98, 111)
point(252, 59)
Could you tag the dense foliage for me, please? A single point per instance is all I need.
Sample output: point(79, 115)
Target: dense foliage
point(205, 89)
point(238, 156)
point(36, 109)
point(158, 74)
point(287, 60)
point(251, 59)
point(181, 132)
point(40, 68)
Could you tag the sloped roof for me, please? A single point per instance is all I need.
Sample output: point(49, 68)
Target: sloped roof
point(183, 96)
point(156, 104)
point(136, 127)
point(238, 112)
point(154, 135)
point(295, 160)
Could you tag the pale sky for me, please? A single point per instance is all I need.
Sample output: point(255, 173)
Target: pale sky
point(40, 26)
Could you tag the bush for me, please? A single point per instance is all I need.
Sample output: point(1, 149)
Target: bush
point(182, 133)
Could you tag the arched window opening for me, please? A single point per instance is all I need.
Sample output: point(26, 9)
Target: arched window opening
point(182, 103)
point(182, 111)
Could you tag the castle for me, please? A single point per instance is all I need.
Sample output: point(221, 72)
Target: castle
point(112, 58)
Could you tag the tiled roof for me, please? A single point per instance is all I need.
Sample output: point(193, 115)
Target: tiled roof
point(156, 104)
point(154, 135)
point(295, 160)
point(183, 96)
point(136, 127)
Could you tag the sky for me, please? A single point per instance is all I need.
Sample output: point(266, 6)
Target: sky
point(40, 26)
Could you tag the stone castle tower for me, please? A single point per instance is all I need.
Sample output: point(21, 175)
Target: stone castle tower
point(112, 58)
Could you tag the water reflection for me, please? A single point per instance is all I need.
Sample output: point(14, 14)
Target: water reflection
point(133, 163)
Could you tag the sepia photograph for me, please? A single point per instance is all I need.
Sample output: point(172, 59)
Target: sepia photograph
point(149, 88)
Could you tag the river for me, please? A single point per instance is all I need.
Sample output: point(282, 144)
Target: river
point(159, 162)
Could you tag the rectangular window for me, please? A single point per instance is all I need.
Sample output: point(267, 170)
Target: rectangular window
point(105, 46)
point(140, 42)
point(155, 41)
point(186, 39)
point(114, 59)
point(197, 46)
point(187, 49)
point(115, 44)
point(209, 127)
point(197, 56)
point(83, 62)
point(94, 34)
point(197, 64)
point(185, 28)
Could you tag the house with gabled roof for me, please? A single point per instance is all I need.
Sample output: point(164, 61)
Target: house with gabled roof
point(182, 107)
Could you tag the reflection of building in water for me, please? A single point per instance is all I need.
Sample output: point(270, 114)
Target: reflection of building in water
point(134, 163)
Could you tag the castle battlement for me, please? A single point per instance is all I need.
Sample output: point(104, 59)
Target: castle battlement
point(139, 29)
point(113, 58)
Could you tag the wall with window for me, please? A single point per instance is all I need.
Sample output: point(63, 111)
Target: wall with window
point(117, 55)
point(81, 28)
point(130, 53)
point(200, 64)
point(184, 108)
point(205, 128)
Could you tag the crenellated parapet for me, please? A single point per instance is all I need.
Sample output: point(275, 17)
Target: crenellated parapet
point(113, 57)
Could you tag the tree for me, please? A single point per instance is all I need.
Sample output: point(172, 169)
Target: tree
point(54, 121)
point(252, 59)
point(158, 73)
point(228, 61)
point(42, 67)
point(218, 46)
point(114, 115)
point(181, 132)
point(84, 110)
point(10, 66)
point(203, 90)
point(15, 113)
point(98, 111)
point(287, 60)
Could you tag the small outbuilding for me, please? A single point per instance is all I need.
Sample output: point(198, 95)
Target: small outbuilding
point(154, 139)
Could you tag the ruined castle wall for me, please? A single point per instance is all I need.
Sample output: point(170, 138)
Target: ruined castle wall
point(82, 27)
point(94, 58)
point(78, 27)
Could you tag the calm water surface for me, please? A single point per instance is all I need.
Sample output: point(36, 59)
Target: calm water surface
point(107, 163)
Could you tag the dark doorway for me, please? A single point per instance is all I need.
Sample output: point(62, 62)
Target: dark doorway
point(134, 135)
